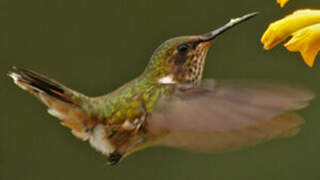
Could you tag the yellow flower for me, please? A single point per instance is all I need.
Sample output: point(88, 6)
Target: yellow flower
point(307, 41)
point(282, 2)
point(303, 26)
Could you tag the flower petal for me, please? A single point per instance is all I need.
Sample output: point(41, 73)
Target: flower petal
point(307, 41)
point(282, 2)
point(280, 30)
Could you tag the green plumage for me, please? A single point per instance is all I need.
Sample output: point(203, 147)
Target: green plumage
point(128, 102)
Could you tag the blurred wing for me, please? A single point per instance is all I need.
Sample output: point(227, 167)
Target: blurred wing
point(223, 116)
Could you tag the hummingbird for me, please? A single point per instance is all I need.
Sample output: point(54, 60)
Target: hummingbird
point(169, 104)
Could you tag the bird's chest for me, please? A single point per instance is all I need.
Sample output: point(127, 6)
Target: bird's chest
point(126, 128)
point(120, 139)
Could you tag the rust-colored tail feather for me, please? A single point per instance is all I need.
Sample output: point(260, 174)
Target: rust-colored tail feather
point(62, 102)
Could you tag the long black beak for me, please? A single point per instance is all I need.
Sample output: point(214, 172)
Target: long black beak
point(233, 22)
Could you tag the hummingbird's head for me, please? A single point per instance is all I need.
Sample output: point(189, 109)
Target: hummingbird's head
point(181, 60)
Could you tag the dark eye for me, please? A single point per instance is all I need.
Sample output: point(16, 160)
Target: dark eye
point(183, 48)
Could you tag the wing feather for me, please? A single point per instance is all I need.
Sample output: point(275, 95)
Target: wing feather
point(222, 116)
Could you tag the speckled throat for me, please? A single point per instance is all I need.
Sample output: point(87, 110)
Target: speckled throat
point(193, 69)
point(190, 73)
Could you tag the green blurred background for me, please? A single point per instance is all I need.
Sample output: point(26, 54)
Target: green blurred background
point(95, 46)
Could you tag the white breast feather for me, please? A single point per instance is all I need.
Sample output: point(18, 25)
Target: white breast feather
point(99, 141)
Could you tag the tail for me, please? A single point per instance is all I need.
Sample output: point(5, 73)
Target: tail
point(62, 102)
